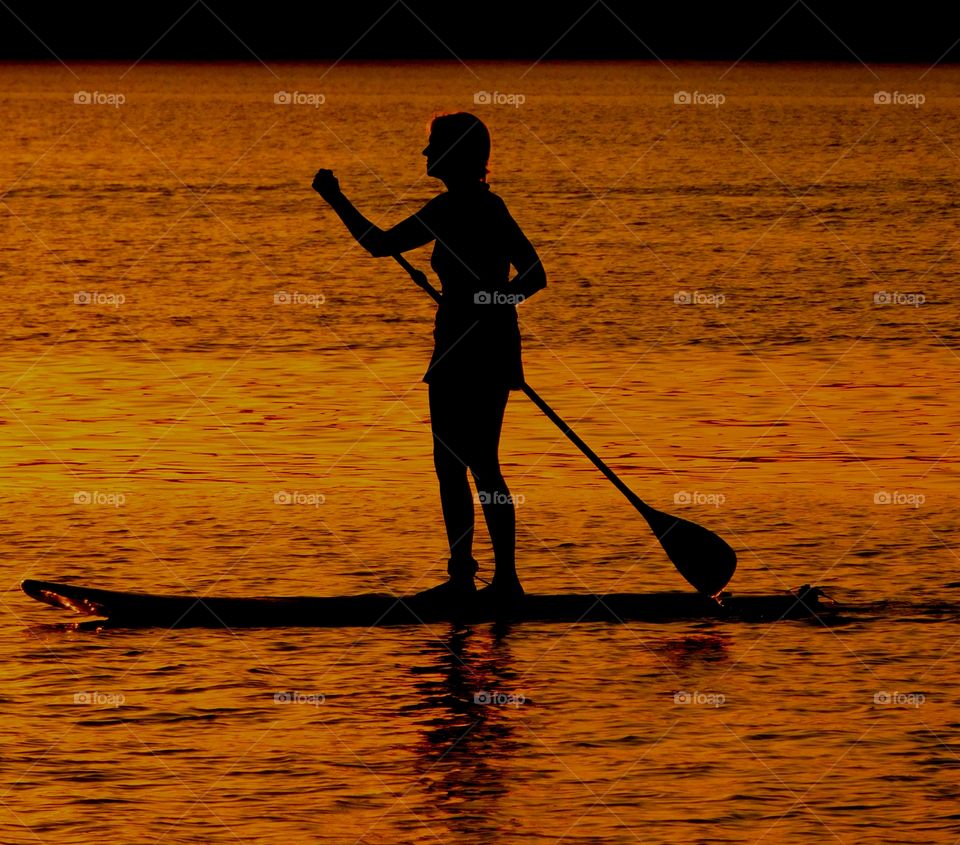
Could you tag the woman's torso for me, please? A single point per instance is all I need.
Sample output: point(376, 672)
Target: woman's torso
point(476, 333)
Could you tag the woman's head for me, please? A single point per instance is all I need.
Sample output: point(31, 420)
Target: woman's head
point(459, 147)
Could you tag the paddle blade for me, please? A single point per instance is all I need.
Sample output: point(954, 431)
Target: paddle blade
point(703, 558)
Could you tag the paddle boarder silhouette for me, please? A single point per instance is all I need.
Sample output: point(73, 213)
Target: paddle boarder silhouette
point(476, 359)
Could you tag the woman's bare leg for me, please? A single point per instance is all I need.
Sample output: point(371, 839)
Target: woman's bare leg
point(492, 491)
point(501, 519)
point(456, 502)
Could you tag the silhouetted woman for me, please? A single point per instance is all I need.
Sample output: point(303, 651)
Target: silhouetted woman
point(476, 357)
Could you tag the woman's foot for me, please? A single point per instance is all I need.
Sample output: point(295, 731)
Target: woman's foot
point(502, 591)
point(459, 587)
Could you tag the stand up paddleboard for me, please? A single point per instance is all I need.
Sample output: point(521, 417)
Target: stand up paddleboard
point(144, 610)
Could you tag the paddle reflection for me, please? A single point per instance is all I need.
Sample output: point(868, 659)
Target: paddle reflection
point(690, 649)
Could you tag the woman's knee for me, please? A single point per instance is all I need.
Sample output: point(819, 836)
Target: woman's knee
point(488, 476)
point(448, 466)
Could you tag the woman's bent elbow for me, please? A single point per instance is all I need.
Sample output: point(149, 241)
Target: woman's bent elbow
point(379, 250)
point(537, 282)
point(376, 244)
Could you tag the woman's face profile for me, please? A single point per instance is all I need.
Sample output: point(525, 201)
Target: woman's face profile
point(432, 154)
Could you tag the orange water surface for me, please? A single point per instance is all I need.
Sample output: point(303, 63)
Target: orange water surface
point(206, 388)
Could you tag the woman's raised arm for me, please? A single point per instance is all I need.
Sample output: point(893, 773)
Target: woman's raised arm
point(406, 235)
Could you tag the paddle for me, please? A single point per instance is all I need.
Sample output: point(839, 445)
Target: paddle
point(703, 558)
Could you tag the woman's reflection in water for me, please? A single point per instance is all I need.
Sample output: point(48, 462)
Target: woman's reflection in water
point(478, 745)
point(471, 710)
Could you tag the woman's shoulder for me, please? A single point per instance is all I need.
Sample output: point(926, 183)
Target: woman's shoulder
point(500, 210)
point(496, 203)
point(434, 209)
point(472, 201)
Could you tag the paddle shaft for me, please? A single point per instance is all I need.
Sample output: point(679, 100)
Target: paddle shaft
point(420, 279)
point(704, 559)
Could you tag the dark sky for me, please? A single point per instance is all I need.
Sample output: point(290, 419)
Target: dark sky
point(362, 29)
